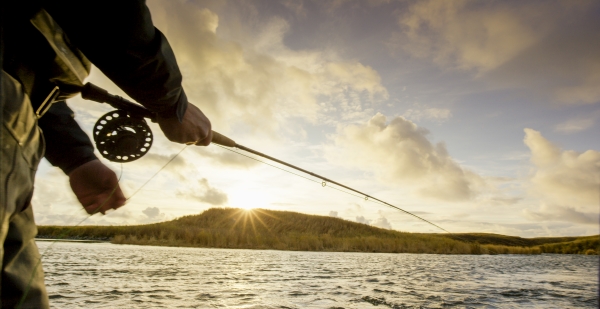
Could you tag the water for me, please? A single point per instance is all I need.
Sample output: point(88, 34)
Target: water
point(103, 275)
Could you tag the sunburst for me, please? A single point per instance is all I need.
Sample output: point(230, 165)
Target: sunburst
point(252, 216)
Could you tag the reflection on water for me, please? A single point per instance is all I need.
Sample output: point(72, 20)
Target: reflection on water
point(102, 275)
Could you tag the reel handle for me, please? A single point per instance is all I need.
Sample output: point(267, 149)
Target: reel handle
point(222, 140)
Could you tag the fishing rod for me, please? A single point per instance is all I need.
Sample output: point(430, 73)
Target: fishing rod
point(124, 136)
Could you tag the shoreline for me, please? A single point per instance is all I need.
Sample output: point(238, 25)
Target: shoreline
point(73, 239)
point(272, 249)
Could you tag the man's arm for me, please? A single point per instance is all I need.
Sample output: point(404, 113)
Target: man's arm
point(69, 148)
point(120, 39)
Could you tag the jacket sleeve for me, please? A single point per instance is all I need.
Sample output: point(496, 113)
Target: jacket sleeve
point(119, 38)
point(67, 146)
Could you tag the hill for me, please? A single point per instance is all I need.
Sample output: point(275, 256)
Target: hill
point(497, 239)
point(284, 230)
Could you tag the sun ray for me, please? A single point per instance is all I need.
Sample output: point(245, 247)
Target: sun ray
point(263, 212)
point(245, 216)
point(239, 213)
point(251, 217)
point(257, 214)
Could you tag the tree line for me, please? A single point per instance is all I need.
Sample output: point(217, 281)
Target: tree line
point(283, 230)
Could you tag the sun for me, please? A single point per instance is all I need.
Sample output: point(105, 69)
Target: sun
point(247, 207)
point(247, 199)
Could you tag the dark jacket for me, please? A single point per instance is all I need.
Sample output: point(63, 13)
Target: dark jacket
point(118, 37)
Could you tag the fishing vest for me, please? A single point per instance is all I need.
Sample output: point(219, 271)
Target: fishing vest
point(61, 72)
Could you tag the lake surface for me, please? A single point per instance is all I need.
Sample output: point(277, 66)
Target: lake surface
point(103, 275)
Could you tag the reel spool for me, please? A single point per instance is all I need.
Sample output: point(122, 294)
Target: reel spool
point(122, 138)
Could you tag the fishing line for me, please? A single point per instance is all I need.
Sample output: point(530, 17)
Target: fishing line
point(263, 162)
point(147, 181)
point(87, 217)
point(323, 183)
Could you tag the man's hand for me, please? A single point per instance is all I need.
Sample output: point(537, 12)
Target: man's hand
point(93, 183)
point(195, 128)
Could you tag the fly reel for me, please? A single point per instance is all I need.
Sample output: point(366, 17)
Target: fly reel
point(121, 137)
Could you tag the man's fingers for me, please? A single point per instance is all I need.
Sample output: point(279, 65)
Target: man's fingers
point(194, 128)
point(105, 203)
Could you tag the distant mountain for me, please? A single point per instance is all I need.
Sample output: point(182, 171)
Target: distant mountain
point(284, 230)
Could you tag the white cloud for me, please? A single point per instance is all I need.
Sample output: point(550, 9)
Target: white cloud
point(564, 177)
point(260, 83)
point(399, 152)
point(382, 222)
point(204, 193)
point(578, 124)
point(575, 125)
point(363, 220)
point(151, 212)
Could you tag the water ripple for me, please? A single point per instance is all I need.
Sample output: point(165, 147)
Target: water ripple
point(103, 275)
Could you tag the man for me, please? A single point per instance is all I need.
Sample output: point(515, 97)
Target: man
point(119, 38)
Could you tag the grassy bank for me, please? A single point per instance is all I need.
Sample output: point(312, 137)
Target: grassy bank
point(282, 230)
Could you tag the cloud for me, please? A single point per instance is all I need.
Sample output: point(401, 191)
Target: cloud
point(227, 158)
point(151, 215)
point(462, 34)
point(151, 212)
point(564, 177)
point(549, 48)
point(383, 223)
point(257, 83)
point(54, 190)
point(161, 160)
point(333, 214)
point(400, 152)
point(435, 114)
point(204, 193)
point(560, 213)
point(295, 6)
point(578, 124)
point(380, 222)
point(333, 6)
point(363, 220)
point(506, 200)
point(177, 166)
point(121, 213)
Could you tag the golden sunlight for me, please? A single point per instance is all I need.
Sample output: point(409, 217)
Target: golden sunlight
point(247, 208)
point(248, 199)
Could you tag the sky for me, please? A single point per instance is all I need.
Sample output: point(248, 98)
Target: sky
point(477, 116)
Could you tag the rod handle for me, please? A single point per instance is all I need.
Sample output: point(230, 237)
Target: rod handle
point(222, 140)
point(92, 92)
